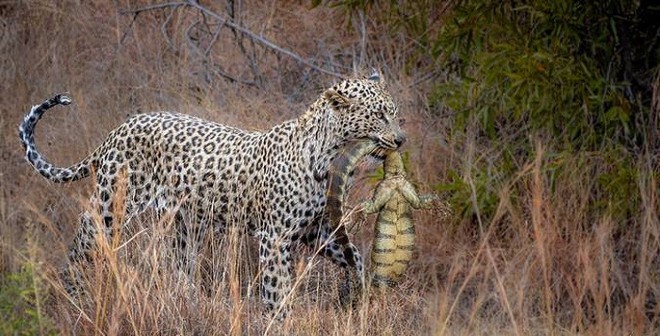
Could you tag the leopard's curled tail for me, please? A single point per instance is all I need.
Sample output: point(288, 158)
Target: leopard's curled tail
point(48, 170)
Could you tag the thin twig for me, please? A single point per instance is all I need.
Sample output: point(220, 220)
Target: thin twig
point(163, 29)
point(428, 76)
point(136, 12)
point(129, 240)
point(362, 31)
point(213, 66)
point(4, 29)
point(213, 39)
point(130, 28)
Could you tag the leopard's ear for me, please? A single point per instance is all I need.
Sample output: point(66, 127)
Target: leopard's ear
point(336, 99)
point(375, 76)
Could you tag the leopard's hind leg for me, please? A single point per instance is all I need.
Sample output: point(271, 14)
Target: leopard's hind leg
point(109, 210)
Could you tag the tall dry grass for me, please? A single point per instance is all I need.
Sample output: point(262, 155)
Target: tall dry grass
point(536, 267)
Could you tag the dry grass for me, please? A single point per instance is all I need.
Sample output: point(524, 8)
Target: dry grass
point(535, 268)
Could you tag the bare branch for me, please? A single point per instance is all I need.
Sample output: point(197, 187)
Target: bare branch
point(153, 7)
point(213, 40)
point(261, 40)
point(136, 12)
point(228, 22)
point(163, 28)
point(215, 68)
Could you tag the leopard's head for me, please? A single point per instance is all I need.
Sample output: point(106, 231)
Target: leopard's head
point(364, 109)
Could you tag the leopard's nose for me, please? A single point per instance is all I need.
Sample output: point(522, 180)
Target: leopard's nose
point(399, 140)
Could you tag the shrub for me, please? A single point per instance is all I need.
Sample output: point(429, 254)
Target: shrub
point(20, 304)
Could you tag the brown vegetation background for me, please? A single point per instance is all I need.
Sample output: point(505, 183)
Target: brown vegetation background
point(534, 268)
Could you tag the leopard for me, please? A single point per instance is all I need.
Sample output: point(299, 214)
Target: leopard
point(270, 182)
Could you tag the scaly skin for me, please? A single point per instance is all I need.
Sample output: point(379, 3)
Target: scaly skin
point(394, 243)
point(338, 175)
point(393, 200)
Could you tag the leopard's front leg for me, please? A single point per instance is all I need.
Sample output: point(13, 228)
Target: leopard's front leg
point(342, 252)
point(276, 275)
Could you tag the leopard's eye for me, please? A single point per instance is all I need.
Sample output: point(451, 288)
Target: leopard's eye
point(381, 115)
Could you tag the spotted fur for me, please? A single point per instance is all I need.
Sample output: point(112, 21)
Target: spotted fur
point(273, 182)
